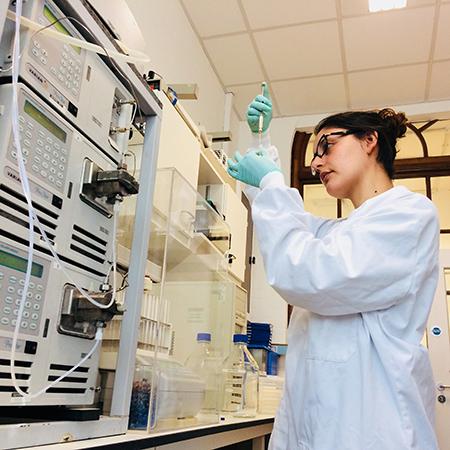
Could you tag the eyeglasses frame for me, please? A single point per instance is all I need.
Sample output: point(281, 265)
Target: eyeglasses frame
point(325, 136)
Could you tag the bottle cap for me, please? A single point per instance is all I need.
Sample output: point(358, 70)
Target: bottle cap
point(204, 337)
point(240, 338)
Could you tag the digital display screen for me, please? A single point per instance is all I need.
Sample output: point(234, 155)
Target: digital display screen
point(20, 264)
point(41, 118)
point(61, 28)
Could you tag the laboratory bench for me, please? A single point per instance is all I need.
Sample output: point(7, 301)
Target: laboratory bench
point(229, 432)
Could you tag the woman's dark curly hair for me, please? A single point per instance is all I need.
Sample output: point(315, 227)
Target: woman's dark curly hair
point(389, 125)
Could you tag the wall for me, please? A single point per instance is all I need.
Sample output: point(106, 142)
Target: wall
point(161, 30)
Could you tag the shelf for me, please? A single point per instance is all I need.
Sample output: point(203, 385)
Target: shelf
point(211, 171)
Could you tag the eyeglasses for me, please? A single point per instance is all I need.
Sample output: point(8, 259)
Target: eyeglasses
point(324, 145)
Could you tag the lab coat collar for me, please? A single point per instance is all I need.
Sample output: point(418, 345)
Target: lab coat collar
point(391, 194)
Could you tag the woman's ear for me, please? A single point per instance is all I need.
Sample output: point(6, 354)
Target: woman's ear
point(370, 141)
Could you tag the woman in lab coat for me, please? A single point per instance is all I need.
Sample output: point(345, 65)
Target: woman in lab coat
point(357, 377)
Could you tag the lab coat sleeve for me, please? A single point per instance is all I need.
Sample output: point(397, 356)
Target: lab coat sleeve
point(367, 266)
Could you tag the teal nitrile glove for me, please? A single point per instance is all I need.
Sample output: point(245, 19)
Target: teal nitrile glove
point(252, 167)
point(260, 104)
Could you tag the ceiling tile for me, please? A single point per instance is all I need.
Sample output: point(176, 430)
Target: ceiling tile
point(393, 86)
point(440, 87)
point(442, 50)
point(273, 13)
point(234, 59)
point(355, 7)
point(302, 50)
point(213, 17)
point(310, 95)
point(400, 37)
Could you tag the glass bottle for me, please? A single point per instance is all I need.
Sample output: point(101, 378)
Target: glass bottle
point(240, 380)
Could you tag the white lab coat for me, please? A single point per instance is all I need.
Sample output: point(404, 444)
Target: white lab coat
point(357, 377)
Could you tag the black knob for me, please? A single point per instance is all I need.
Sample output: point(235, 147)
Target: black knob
point(441, 398)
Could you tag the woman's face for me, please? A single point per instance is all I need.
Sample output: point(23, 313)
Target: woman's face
point(344, 164)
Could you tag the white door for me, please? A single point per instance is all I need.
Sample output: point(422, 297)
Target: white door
point(439, 349)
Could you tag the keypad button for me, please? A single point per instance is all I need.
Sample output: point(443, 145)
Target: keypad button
point(55, 153)
point(43, 60)
point(36, 306)
point(9, 300)
point(41, 134)
point(62, 167)
point(36, 43)
point(52, 170)
point(58, 183)
point(38, 297)
point(60, 175)
point(7, 309)
point(28, 305)
point(27, 142)
point(38, 150)
point(15, 312)
point(43, 173)
point(35, 51)
point(44, 52)
point(30, 125)
point(26, 152)
point(45, 165)
point(18, 301)
point(29, 294)
point(49, 140)
point(35, 316)
point(47, 156)
point(24, 324)
point(63, 159)
point(40, 142)
point(5, 321)
point(31, 285)
point(22, 119)
point(33, 326)
point(53, 70)
point(51, 178)
point(12, 279)
point(39, 287)
point(19, 291)
point(37, 159)
point(22, 282)
point(13, 322)
point(11, 289)
point(64, 151)
point(28, 134)
point(54, 162)
point(35, 168)
point(26, 315)
point(56, 145)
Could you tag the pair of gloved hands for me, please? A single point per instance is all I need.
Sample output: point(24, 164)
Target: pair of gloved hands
point(255, 164)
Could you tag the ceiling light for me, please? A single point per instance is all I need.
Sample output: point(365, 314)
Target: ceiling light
point(384, 5)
